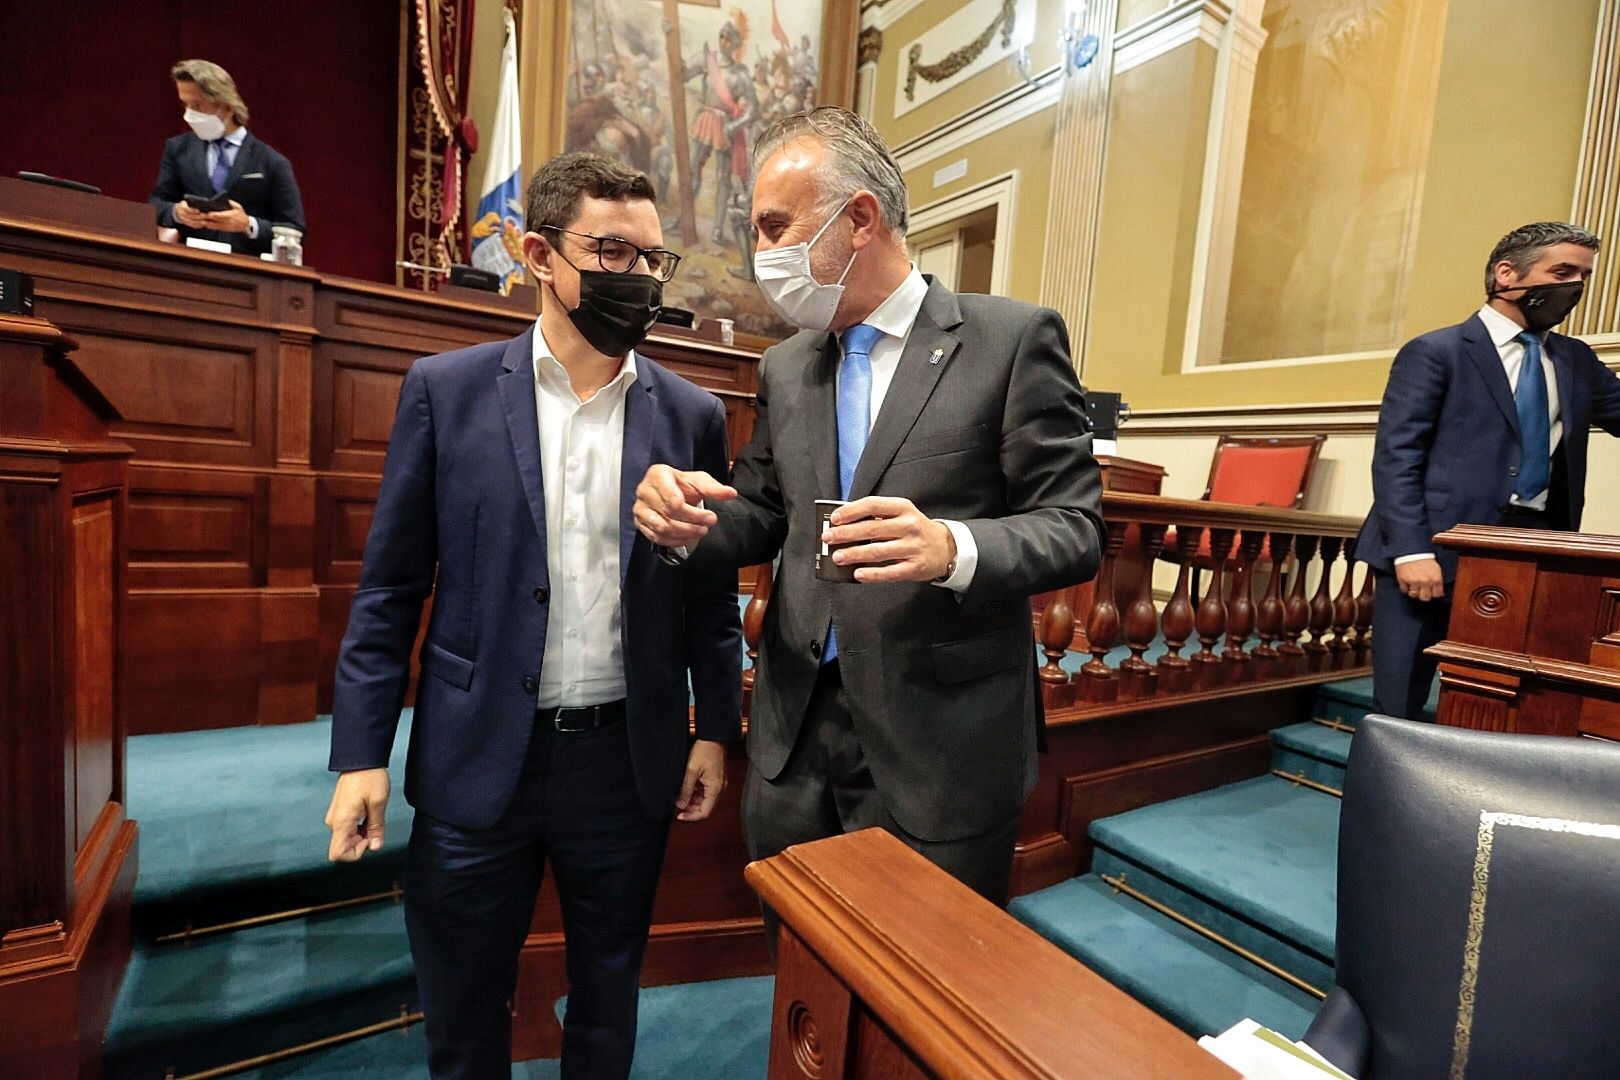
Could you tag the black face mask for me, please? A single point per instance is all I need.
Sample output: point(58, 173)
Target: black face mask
point(616, 311)
point(1544, 306)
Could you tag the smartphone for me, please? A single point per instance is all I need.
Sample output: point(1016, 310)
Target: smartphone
point(208, 203)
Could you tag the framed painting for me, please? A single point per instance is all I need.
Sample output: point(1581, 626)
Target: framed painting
point(681, 89)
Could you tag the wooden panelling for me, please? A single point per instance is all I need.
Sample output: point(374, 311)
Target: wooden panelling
point(196, 529)
point(94, 573)
point(354, 418)
point(344, 506)
point(67, 852)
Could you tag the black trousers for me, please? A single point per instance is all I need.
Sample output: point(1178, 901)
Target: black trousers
point(1402, 628)
point(827, 789)
point(470, 894)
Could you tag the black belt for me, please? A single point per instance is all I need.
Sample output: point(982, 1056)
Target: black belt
point(577, 718)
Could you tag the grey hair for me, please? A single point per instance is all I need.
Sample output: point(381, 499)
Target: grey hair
point(215, 83)
point(1524, 245)
point(857, 160)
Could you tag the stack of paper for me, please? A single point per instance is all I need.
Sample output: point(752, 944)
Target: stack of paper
point(1261, 1054)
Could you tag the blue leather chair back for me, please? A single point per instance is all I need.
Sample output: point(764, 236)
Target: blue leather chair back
point(1479, 907)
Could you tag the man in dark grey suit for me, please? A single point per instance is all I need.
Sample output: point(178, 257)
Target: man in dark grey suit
point(954, 429)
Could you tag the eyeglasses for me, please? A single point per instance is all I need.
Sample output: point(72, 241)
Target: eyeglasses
point(620, 256)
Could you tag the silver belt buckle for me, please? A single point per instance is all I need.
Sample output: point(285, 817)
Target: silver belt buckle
point(557, 720)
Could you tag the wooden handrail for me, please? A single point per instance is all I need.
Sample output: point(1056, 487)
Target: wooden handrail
point(1160, 510)
point(965, 990)
point(1540, 542)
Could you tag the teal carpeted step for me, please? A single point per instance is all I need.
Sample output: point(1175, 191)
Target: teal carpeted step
point(1254, 861)
point(1351, 699)
point(1196, 984)
point(232, 996)
point(232, 824)
point(1316, 752)
point(719, 1029)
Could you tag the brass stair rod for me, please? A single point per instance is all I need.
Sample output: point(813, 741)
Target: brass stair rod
point(1259, 961)
point(277, 916)
point(1302, 779)
point(404, 1020)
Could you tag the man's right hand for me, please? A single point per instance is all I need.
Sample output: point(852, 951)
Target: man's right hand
point(669, 505)
point(1421, 579)
point(191, 219)
point(356, 814)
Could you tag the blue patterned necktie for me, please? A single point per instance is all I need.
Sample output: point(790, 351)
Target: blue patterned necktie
point(1535, 427)
point(222, 166)
point(854, 420)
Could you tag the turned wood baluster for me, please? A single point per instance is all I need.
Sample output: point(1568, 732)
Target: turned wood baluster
point(1173, 670)
point(1240, 608)
point(1102, 624)
point(1321, 614)
point(1057, 633)
point(1344, 612)
point(1296, 608)
point(1142, 620)
point(1269, 615)
point(1364, 614)
point(1212, 610)
point(754, 619)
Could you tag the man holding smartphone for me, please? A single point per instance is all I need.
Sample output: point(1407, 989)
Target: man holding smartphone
point(218, 182)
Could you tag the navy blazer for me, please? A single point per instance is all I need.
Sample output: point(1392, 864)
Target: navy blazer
point(260, 179)
point(462, 501)
point(1448, 439)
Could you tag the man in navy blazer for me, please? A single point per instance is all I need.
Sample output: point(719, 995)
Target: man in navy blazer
point(1484, 423)
point(551, 719)
point(220, 157)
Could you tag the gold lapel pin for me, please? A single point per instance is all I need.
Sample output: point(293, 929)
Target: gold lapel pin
point(939, 354)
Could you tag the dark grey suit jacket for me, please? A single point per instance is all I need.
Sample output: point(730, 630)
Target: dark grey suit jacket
point(983, 424)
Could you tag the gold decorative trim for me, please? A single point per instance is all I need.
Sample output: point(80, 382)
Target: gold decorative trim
point(869, 46)
point(1302, 780)
point(1288, 977)
point(957, 59)
point(1474, 939)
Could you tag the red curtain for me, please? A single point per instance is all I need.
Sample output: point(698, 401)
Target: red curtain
point(85, 92)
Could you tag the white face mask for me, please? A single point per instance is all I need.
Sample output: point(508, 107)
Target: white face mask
point(791, 289)
point(207, 126)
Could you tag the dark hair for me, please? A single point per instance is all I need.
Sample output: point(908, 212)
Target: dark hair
point(558, 186)
point(1524, 245)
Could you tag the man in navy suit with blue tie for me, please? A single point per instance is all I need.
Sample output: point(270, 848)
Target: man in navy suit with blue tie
point(219, 156)
point(1484, 423)
point(551, 720)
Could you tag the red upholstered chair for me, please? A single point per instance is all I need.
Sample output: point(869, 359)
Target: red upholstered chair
point(1255, 472)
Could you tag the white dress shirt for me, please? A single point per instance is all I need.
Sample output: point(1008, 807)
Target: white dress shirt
point(1505, 336)
point(894, 317)
point(231, 145)
point(581, 453)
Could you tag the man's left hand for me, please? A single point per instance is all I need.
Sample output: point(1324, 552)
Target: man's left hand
point(705, 780)
point(891, 531)
point(233, 220)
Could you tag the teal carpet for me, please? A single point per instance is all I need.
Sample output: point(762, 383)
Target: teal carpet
point(233, 824)
point(715, 1029)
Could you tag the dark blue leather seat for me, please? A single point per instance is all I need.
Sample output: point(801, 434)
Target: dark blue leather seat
point(1479, 907)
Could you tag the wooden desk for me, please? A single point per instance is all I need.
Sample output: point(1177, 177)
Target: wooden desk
point(1534, 640)
point(258, 399)
point(889, 968)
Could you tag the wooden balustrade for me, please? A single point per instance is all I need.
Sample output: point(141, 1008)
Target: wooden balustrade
point(1270, 609)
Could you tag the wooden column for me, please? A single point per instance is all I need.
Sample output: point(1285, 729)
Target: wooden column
point(67, 850)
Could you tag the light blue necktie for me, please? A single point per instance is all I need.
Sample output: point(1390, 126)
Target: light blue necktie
point(222, 166)
point(854, 421)
point(1535, 427)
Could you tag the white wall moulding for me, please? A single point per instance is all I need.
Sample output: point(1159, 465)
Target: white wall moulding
point(971, 39)
point(1167, 30)
point(1014, 104)
point(1347, 417)
point(885, 13)
point(1000, 192)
